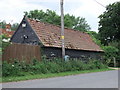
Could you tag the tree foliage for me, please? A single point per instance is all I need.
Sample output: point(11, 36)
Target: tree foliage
point(109, 24)
point(109, 29)
point(52, 17)
point(95, 38)
point(3, 24)
point(110, 54)
point(110, 51)
point(14, 26)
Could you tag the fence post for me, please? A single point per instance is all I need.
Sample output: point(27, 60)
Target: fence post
point(114, 60)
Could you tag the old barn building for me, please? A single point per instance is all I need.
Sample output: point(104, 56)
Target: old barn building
point(77, 44)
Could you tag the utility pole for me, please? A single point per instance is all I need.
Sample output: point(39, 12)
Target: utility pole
point(62, 29)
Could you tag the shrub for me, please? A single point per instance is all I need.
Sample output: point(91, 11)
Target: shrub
point(67, 66)
point(55, 65)
point(39, 68)
point(96, 64)
point(110, 53)
point(11, 69)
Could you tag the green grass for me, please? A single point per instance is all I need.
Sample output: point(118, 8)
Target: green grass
point(41, 76)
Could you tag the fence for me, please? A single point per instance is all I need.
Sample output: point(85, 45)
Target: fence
point(21, 52)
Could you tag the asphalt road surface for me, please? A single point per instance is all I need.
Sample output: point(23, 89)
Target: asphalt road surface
point(107, 79)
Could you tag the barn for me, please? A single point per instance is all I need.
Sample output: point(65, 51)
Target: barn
point(77, 44)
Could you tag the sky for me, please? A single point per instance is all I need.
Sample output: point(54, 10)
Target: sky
point(12, 11)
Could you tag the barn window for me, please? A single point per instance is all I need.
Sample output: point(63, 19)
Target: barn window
point(24, 24)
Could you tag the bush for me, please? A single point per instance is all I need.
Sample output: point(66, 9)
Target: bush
point(9, 69)
point(110, 53)
point(96, 64)
point(55, 65)
point(38, 68)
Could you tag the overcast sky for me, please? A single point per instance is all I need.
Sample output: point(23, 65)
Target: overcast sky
point(12, 10)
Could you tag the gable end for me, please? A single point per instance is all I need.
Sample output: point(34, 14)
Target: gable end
point(25, 34)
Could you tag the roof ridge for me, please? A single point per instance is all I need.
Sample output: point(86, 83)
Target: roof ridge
point(58, 26)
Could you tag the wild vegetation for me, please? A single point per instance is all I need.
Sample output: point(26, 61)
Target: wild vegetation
point(55, 65)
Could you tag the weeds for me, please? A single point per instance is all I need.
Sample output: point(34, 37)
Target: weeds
point(55, 65)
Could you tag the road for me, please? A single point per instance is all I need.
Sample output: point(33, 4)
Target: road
point(107, 79)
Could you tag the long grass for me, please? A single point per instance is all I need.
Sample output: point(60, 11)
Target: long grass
point(49, 75)
point(18, 71)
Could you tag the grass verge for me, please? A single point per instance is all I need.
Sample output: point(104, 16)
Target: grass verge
point(49, 75)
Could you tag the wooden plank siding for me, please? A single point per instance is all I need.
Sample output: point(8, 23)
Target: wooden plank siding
point(21, 52)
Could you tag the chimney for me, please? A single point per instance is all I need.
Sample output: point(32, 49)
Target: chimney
point(8, 27)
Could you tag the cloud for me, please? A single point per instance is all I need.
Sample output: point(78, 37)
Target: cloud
point(89, 9)
point(14, 9)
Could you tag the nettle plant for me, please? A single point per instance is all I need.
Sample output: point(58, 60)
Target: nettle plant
point(55, 65)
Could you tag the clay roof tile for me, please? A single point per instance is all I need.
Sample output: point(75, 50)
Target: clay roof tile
point(49, 35)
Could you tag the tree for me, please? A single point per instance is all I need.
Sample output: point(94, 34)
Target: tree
point(111, 54)
point(14, 26)
point(95, 38)
point(48, 16)
point(116, 44)
point(3, 24)
point(51, 17)
point(109, 24)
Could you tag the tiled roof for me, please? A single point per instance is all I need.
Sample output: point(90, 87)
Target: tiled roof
point(7, 33)
point(49, 35)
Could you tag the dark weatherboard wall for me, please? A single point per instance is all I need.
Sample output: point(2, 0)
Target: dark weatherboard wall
point(81, 54)
point(25, 35)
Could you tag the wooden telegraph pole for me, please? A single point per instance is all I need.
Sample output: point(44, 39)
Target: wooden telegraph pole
point(62, 29)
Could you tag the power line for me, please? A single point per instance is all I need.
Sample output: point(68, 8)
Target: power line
point(100, 4)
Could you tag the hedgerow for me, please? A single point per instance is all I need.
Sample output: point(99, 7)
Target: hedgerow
point(55, 65)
